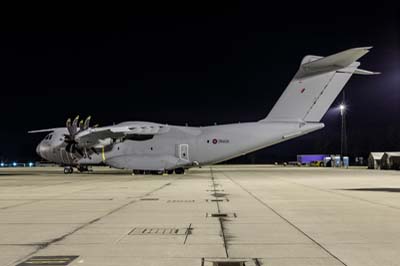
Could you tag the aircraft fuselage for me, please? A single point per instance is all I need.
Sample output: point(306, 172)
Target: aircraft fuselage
point(179, 147)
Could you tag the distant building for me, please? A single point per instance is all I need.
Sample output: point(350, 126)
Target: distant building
point(374, 160)
point(391, 160)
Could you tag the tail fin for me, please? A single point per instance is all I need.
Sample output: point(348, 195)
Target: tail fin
point(316, 85)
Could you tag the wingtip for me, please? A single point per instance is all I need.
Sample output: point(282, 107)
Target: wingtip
point(363, 48)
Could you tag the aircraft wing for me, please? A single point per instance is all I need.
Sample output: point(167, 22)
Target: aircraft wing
point(93, 136)
point(43, 130)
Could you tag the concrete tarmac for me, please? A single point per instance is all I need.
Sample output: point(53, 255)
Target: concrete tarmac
point(259, 215)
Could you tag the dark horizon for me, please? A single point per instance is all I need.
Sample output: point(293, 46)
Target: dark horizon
point(220, 65)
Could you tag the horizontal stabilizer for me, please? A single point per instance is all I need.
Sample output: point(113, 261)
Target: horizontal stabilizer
point(365, 72)
point(318, 65)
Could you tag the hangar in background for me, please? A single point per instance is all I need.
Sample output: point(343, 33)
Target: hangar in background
point(390, 160)
point(374, 160)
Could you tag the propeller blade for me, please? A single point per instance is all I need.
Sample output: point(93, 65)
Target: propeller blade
point(75, 125)
point(87, 122)
point(69, 126)
point(94, 150)
point(68, 123)
point(79, 151)
point(68, 147)
point(81, 125)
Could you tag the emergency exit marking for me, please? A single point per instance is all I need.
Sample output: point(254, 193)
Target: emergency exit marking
point(48, 261)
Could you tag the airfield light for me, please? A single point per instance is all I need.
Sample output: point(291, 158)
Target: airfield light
point(30, 164)
point(343, 133)
point(2, 164)
point(14, 164)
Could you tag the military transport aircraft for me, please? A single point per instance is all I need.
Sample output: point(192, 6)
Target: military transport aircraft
point(146, 147)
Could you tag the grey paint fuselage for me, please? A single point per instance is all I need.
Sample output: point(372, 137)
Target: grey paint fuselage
point(205, 145)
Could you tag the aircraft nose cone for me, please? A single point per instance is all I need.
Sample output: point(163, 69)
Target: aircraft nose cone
point(38, 150)
point(42, 150)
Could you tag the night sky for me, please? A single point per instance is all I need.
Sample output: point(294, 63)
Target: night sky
point(197, 65)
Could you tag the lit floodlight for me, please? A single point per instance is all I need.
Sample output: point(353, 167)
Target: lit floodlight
point(30, 164)
point(342, 107)
point(2, 164)
point(14, 164)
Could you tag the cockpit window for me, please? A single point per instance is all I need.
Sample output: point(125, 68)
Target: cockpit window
point(48, 137)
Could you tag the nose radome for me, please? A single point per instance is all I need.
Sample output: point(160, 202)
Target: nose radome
point(38, 150)
point(42, 150)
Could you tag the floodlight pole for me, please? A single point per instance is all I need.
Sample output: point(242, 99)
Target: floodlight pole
point(343, 135)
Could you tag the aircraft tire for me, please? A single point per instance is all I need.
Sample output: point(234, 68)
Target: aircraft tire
point(179, 171)
point(68, 170)
point(138, 172)
point(82, 169)
point(156, 172)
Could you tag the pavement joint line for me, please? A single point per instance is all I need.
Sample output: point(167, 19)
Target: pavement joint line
point(188, 231)
point(56, 199)
point(344, 195)
point(42, 246)
point(31, 201)
point(220, 219)
point(41, 199)
point(19, 204)
point(286, 220)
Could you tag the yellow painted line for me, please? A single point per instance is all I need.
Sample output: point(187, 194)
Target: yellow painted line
point(48, 263)
point(102, 154)
point(45, 259)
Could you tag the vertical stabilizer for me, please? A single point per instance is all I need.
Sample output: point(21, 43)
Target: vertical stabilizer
point(316, 85)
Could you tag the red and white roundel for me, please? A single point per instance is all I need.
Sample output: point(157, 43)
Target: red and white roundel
point(214, 141)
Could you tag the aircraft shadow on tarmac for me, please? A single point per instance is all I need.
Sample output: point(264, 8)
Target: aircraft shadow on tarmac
point(52, 172)
point(377, 189)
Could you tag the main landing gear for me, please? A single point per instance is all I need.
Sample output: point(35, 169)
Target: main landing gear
point(178, 171)
point(148, 172)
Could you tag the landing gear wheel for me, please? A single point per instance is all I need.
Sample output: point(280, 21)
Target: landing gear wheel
point(138, 172)
point(83, 168)
point(170, 172)
point(68, 170)
point(179, 171)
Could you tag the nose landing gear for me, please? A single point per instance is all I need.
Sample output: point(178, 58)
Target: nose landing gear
point(68, 170)
point(81, 169)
